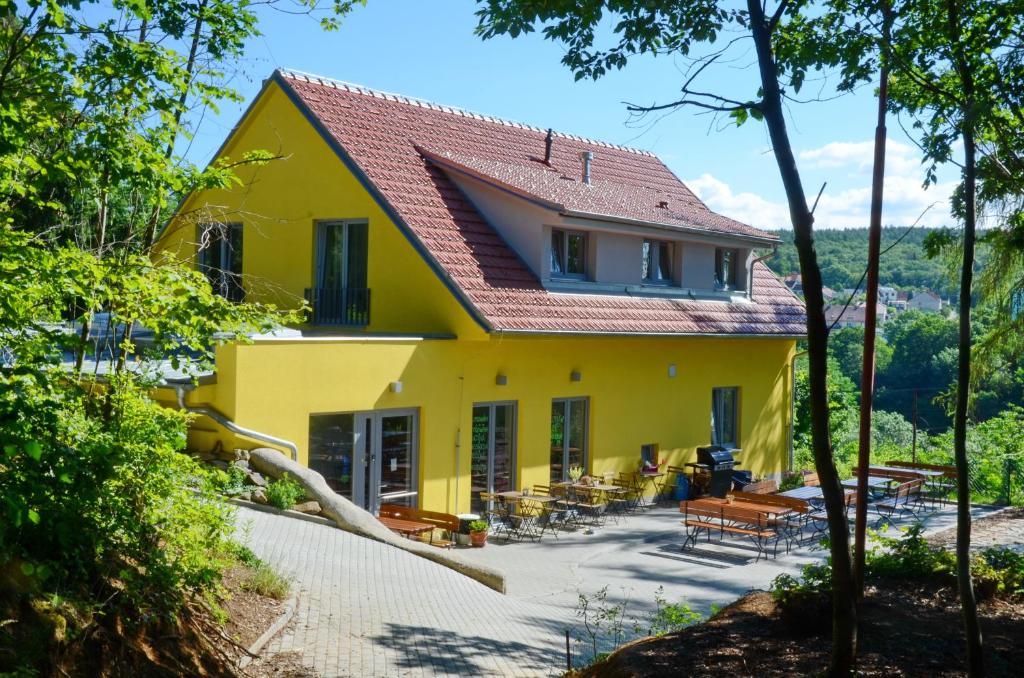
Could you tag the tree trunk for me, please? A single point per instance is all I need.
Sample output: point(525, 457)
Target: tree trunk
point(844, 616)
point(968, 604)
point(867, 377)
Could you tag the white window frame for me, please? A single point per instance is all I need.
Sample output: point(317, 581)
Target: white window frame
point(563, 262)
point(652, 254)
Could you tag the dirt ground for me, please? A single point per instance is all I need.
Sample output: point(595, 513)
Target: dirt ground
point(906, 629)
point(249, 615)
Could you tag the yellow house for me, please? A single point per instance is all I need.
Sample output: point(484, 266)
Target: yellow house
point(492, 303)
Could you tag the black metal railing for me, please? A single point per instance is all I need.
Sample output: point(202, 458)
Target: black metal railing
point(339, 306)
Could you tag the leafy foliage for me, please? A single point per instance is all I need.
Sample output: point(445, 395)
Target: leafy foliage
point(843, 256)
point(284, 492)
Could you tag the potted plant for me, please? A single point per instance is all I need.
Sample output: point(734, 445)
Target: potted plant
point(575, 473)
point(478, 533)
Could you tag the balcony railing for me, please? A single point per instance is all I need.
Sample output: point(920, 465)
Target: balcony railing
point(339, 306)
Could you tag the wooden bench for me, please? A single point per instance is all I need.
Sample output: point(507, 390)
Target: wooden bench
point(700, 515)
point(434, 520)
point(907, 494)
point(938, 487)
point(947, 471)
point(762, 487)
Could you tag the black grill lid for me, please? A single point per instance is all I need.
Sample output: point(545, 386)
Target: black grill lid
point(714, 455)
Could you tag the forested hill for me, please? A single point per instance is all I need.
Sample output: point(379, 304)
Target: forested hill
point(843, 254)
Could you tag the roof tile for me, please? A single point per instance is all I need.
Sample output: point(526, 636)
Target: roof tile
point(388, 137)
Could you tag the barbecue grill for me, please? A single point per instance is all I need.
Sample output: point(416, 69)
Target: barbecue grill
point(716, 464)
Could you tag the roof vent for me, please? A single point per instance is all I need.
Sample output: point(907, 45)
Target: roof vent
point(587, 157)
point(547, 146)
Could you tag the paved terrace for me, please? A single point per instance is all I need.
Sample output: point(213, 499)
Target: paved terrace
point(369, 609)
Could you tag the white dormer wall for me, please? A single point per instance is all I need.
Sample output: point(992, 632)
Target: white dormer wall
point(614, 250)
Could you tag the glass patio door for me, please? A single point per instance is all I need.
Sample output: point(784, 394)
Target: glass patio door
point(493, 459)
point(368, 457)
point(568, 436)
point(387, 446)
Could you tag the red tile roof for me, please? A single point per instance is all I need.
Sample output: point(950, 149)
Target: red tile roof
point(389, 139)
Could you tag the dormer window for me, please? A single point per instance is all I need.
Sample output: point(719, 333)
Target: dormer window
point(726, 261)
point(657, 263)
point(568, 254)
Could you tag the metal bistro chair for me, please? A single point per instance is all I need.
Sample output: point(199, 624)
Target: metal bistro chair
point(496, 514)
point(591, 503)
point(554, 515)
point(524, 516)
point(617, 498)
point(634, 490)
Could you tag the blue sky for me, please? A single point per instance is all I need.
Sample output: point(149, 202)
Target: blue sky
point(428, 50)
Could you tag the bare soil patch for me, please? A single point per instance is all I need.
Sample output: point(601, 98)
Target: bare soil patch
point(904, 631)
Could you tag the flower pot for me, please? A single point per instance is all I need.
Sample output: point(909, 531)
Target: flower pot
point(478, 539)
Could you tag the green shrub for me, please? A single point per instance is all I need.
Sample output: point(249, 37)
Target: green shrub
point(263, 580)
point(909, 556)
point(1007, 568)
point(670, 617)
point(478, 526)
point(284, 492)
point(791, 481)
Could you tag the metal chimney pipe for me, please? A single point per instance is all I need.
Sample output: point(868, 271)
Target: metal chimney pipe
point(587, 157)
point(547, 146)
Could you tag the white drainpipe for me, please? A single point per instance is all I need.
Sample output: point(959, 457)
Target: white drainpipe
point(180, 389)
point(750, 272)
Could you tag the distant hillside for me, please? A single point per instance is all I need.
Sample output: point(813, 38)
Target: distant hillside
point(843, 255)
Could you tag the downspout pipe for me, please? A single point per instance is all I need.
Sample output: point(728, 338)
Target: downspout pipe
point(181, 389)
point(792, 404)
point(750, 273)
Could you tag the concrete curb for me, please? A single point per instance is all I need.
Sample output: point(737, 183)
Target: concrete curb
point(298, 515)
point(290, 606)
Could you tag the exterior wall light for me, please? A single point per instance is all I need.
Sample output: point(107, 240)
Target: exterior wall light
point(501, 380)
point(672, 371)
point(575, 376)
point(395, 387)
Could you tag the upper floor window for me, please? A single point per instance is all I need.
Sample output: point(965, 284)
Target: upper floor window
point(725, 415)
point(568, 253)
point(726, 261)
point(657, 263)
point(340, 295)
point(220, 258)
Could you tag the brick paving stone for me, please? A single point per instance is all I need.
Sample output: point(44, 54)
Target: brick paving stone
point(369, 609)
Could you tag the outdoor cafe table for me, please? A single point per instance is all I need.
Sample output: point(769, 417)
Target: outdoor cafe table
point(513, 495)
point(646, 479)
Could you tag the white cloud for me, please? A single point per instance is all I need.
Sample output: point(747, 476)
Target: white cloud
point(849, 164)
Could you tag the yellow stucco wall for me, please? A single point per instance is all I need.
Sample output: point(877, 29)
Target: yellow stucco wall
point(279, 204)
point(633, 401)
point(273, 386)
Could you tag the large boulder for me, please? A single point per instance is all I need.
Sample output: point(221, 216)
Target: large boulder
point(352, 518)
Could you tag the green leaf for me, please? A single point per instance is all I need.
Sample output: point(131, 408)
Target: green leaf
point(34, 449)
point(33, 516)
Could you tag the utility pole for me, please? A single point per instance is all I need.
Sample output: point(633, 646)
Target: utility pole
point(867, 382)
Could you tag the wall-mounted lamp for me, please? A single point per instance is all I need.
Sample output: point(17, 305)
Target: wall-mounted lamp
point(395, 387)
point(672, 371)
point(501, 380)
point(575, 376)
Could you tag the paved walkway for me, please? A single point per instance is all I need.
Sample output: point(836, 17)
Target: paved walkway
point(369, 609)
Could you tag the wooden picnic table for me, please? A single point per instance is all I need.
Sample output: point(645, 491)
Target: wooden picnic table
point(408, 528)
point(874, 482)
point(716, 503)
point(923, 472)
point(806, 493)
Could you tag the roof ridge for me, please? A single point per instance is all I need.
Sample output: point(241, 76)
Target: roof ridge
point(356, 88)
